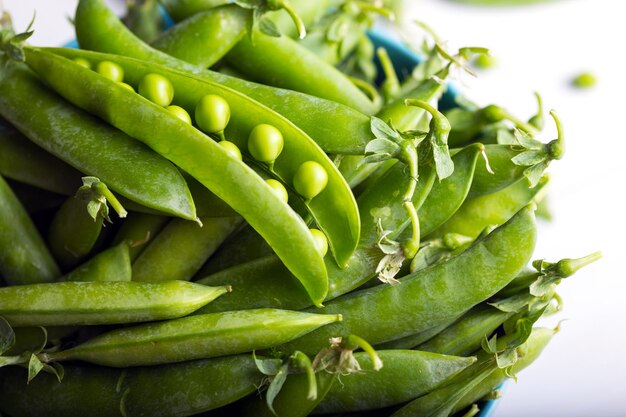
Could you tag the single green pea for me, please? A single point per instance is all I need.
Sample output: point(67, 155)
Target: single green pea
point(310, 179)
point(265, 143)
point(321, 242)
point(83, 62)
point(279, 189)
point(584, 80)
point(180, 113)
point(231, 148)
point(127, 86)
point(212, 113)
point(110, 70)
point(157, 89)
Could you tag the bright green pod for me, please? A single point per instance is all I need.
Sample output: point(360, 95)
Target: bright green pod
point(24, 257)
point(204, 38)
point(181, 248)
point(195, 337)
point(489, 210)
point(270, 60)
point(112, 264)
point(21, 160)
point(406, 374)
point(176, 390)
point(89, 303)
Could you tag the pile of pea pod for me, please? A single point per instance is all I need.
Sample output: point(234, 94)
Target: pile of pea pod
point(251, 211)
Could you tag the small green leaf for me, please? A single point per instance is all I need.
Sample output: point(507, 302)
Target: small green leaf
point(372, 159)
point(526, 140)
point(511, 304)
point(443, 161)
point(21, 37)
point(529, 158)
point(413, 134)
point(535, 172)
point(268, 366)
point(490, 345)
point(7, 336)
point(507, 358)
point(382, 146)
point(269, 28)
point(275, 386)
point(544, 285)
point(93, 208)
point(382, 130)
point(34, 367)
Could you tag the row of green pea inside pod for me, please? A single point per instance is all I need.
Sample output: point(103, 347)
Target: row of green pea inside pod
point(211, 115)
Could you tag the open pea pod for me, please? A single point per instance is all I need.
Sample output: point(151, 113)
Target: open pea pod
point(334, 209)
point(227, 177)
point(344, 130)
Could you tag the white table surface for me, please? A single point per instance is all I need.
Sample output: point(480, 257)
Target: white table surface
point(538, 48)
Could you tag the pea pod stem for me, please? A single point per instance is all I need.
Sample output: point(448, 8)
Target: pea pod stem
point(391, 85)
point(295, 17)
point(100, 188)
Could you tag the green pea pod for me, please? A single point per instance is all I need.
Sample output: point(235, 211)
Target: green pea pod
point(245, 245)
point(76, 226)
point(204, 38)
point(144, 18)
point(409, 342)
point(503, 171)
point(23, 161)
point(175, 390)
point(269, 60)
point(24, 257)
point(207, 161)
point(465, 335)
point(334, 209)
point(260, 283)
point(492, 209)
point(406, 374)
point(344, 130)
point(89, 303)
point(112, 264)
point(72, 135)
point(433, 295)
point(474, 382)
point(181, 248)
point(195, 337)
point(137, 230)
point(182, 9)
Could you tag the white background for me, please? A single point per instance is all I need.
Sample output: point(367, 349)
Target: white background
point(538, 48)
